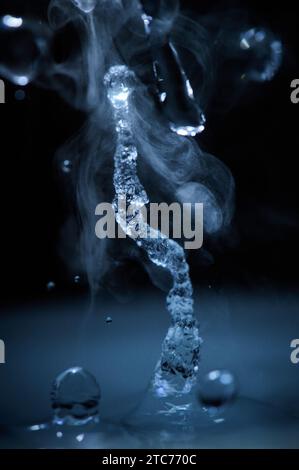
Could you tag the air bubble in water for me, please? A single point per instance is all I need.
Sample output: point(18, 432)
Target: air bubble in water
point(108, 320)
point(217, 389)
point(77, 279)
point(86, 6)
point(75, 397)
point(264, 53)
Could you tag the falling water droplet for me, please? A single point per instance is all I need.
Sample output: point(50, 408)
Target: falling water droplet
point(85, 5)
point(217, 389)
point(108, 320)
point(66, 166)
point(263, 53)
point(22, 43)
point(51, 286)
point(188, 131)
point(75, 397)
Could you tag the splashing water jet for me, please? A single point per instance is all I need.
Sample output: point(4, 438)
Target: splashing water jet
point(177, 368)
point(216, 391)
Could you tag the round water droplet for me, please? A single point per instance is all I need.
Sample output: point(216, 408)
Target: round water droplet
point(22, 44)
point(51, 286)
point(108, 320)
point(66, 166)
point(85, 5)
point(75, 397)
point(77, 279)
point(217, 389)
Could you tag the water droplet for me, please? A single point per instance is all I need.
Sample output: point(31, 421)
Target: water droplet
point(77, 279)
point(85, 5)
point(193, 193)
point(66, 166)
point(264, 54)
point(186, 131)
point(22, 44)
point(163, 96)
point(12, 21)
point(108, 320)
point(217, 389)
point(75, 397)
point(20, 95)
point(38, 427)
point(59, 434)
point(51, 286)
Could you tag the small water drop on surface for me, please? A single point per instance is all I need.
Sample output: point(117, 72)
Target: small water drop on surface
point(217, 389)
point(75, 398)
point(87, 6)
point(108, 320)
point(77, 279)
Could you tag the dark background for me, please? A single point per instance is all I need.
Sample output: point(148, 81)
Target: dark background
point(256, 138)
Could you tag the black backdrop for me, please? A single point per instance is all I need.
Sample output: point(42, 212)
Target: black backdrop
point(256, 138)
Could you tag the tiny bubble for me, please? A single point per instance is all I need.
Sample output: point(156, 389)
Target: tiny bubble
point(77, 279)
point(108, 320)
